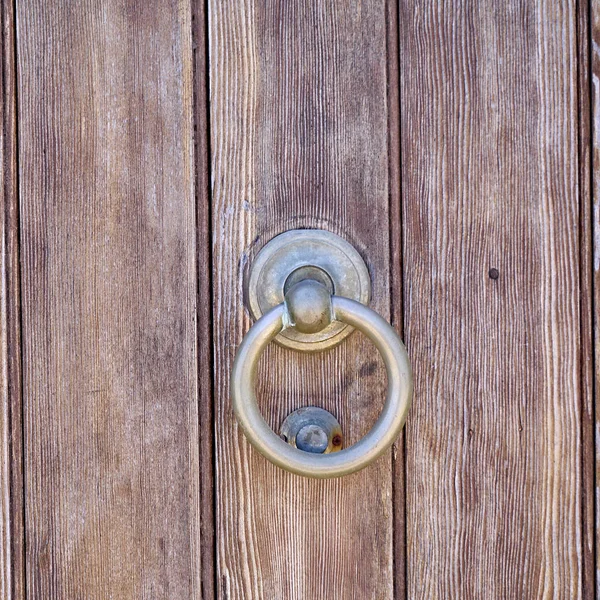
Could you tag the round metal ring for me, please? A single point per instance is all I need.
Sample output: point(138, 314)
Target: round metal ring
point(366, 450)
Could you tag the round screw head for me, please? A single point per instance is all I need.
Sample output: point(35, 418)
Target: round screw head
point(312, 438)
point(312, 429)
point(337, 440)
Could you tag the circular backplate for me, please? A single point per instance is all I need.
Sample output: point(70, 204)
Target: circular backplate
point(312, 429)
point(307, 254)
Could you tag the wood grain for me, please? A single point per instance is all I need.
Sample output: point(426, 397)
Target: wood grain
point(490, 180)
point(588, 454)
point(299, 138)
point(595, 232)
point(12, 536)
point(106, 167)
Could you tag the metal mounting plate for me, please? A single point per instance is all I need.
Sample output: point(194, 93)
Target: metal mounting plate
point(307, 254)
point(312, 429)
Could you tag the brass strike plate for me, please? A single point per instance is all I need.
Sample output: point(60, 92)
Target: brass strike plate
point(307, 254)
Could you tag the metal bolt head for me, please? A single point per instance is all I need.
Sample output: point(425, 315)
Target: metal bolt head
point(309, 306)
point(312, 438)
point(312, 429)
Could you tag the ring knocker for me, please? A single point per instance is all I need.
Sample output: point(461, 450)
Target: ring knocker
point(309, 289)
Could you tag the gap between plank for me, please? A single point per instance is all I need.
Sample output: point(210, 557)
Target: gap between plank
point(204, 308)
point(399, 561)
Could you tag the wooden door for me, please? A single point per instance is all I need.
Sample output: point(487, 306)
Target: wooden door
point(151, 149)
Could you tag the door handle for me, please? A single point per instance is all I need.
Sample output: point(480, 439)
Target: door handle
point(309, 308)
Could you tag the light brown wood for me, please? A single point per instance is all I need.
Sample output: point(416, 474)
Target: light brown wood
point(299, 134)
point(109, 295)
point(490, 180)
point(463, 175)
point(12, 571)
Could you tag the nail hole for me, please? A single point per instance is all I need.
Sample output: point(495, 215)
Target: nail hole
point(494, 273)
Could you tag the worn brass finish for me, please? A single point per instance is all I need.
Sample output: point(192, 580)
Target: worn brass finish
point(378, 439)
point(309, 306)
point(302, 254)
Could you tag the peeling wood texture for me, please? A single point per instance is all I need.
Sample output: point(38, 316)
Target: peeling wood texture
point(490, 180)
point(299, 118)
point(106, 169)
point(12, 567)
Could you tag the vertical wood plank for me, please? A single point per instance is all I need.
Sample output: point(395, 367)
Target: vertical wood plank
point(109, 299)
point(491, 207)
point(12, 537)
point(299, 138)
point(588, 453)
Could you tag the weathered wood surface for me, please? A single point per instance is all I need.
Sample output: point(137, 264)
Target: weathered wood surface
point(490, 180)
point(594, 133)
point(495, 133)
point(12, 580)
point(106, 169)
point(588, 334)
point(584, 97)
point(299, 136)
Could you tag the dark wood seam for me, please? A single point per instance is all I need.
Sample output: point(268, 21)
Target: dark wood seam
point(592, 308)
point(587, 325)
point(16, 429)
point(204, 309)
point(399, 553)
